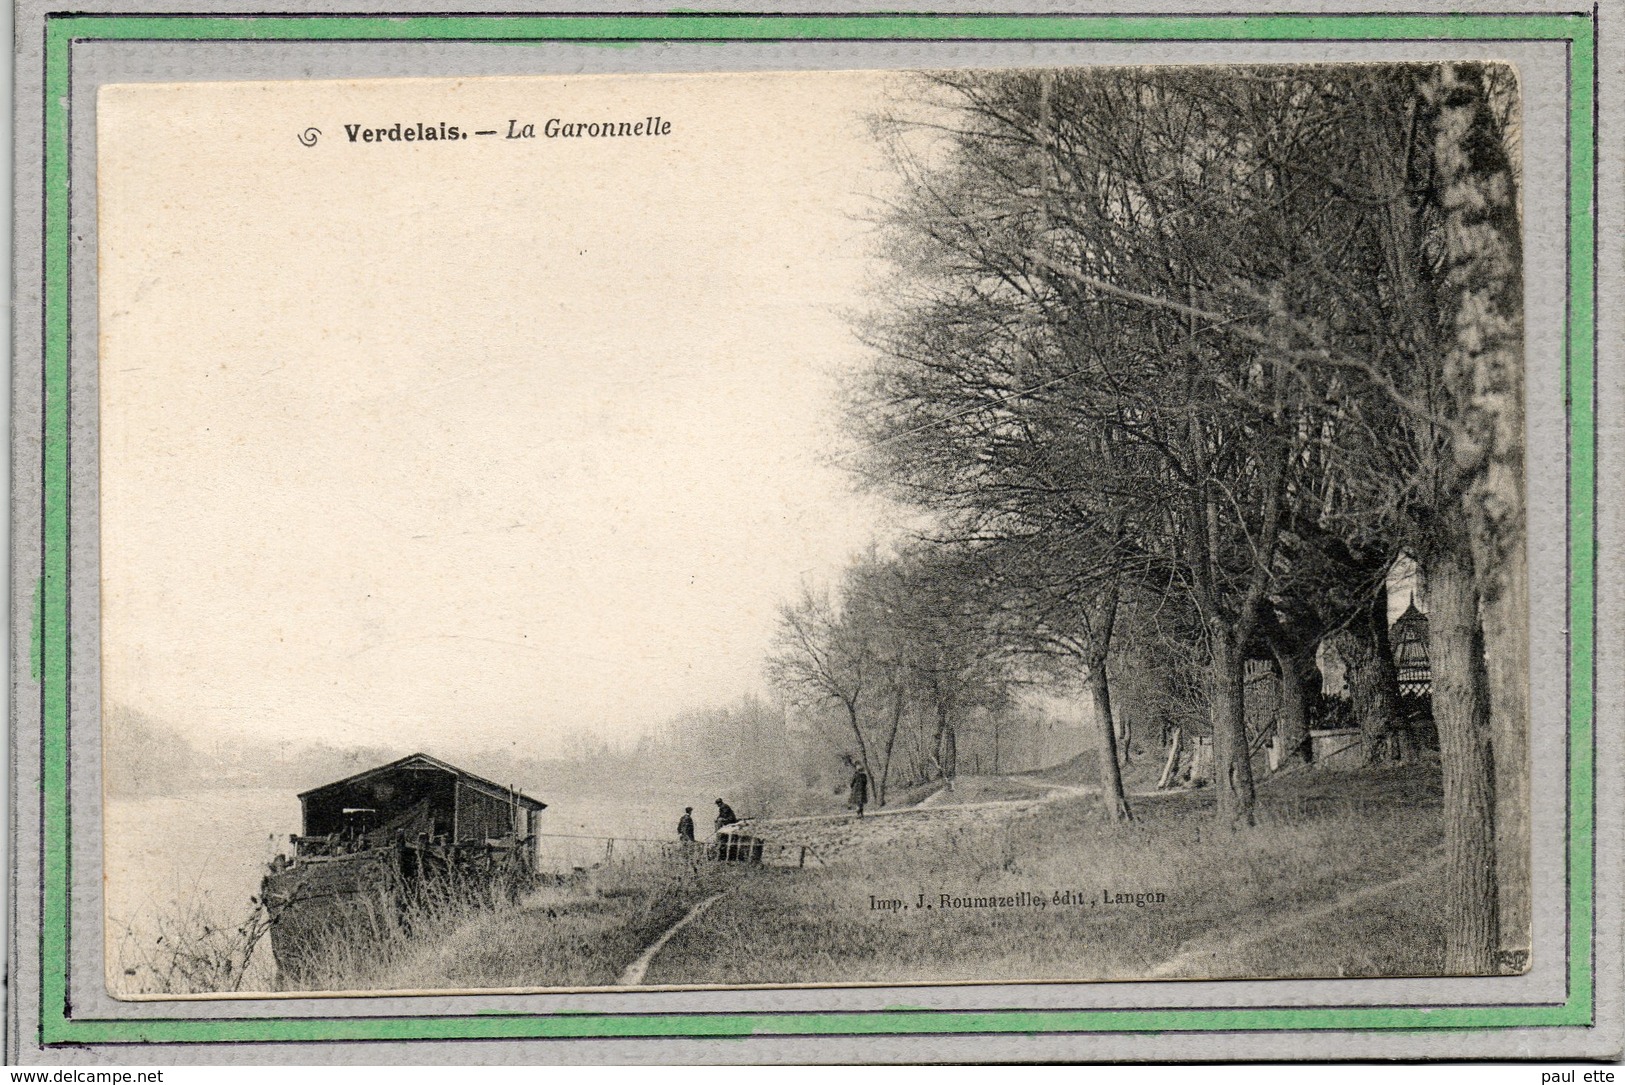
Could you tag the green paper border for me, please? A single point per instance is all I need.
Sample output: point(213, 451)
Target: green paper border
point(62, 30)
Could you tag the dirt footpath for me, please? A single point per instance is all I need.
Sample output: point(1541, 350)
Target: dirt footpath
point(974, 802)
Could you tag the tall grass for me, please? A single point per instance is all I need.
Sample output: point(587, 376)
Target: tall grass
point(191, 947)
point(361, 936)
point(1274, 900)
point(578, 930)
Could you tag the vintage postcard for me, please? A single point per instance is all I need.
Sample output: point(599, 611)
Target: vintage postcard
point(977, 535)
point(834, 527)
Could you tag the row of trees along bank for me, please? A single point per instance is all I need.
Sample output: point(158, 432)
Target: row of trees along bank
point(1180, 362)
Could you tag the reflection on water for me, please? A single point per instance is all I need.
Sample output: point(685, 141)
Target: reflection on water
point(169, 850)
point(583, 830)
point(178, 861)
point(647, 815)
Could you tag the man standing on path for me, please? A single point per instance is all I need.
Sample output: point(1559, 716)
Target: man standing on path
point(860, 789)
point(685, 826)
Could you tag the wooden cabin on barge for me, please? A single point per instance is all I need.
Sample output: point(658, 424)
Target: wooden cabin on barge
point(371, 840)
point(418, 796)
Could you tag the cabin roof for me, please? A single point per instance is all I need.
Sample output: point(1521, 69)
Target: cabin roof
point(422, 761)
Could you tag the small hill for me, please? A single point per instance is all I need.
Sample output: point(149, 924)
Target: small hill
point(1139, 775)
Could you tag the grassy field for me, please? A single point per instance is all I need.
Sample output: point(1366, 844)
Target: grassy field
point(580, 932)
point(1336, 880)
point(999, 879)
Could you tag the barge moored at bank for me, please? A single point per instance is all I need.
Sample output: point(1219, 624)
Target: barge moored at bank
point(372, 841)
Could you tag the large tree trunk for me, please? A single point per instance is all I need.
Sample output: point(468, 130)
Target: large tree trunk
point(1300, 681)
point(1170, 768)
point(1482, 296)
point(1461, 710)
point(1373, 680)
point(1506, 638)
point(1232, 767)
point(1113, 803)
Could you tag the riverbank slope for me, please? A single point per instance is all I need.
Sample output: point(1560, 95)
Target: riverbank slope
point(1006, 880)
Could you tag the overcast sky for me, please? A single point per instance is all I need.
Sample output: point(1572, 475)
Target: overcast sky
point(459, 443)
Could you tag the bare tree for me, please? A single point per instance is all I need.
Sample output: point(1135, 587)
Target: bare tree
point(1253, 332)
point(821, 660)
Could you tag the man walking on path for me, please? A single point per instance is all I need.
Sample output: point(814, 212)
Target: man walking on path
point(685, 825)
point(860, 789)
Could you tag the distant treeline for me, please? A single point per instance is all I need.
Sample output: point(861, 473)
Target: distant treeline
point(765, 757)
point(146, 756)
point(796, 756)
